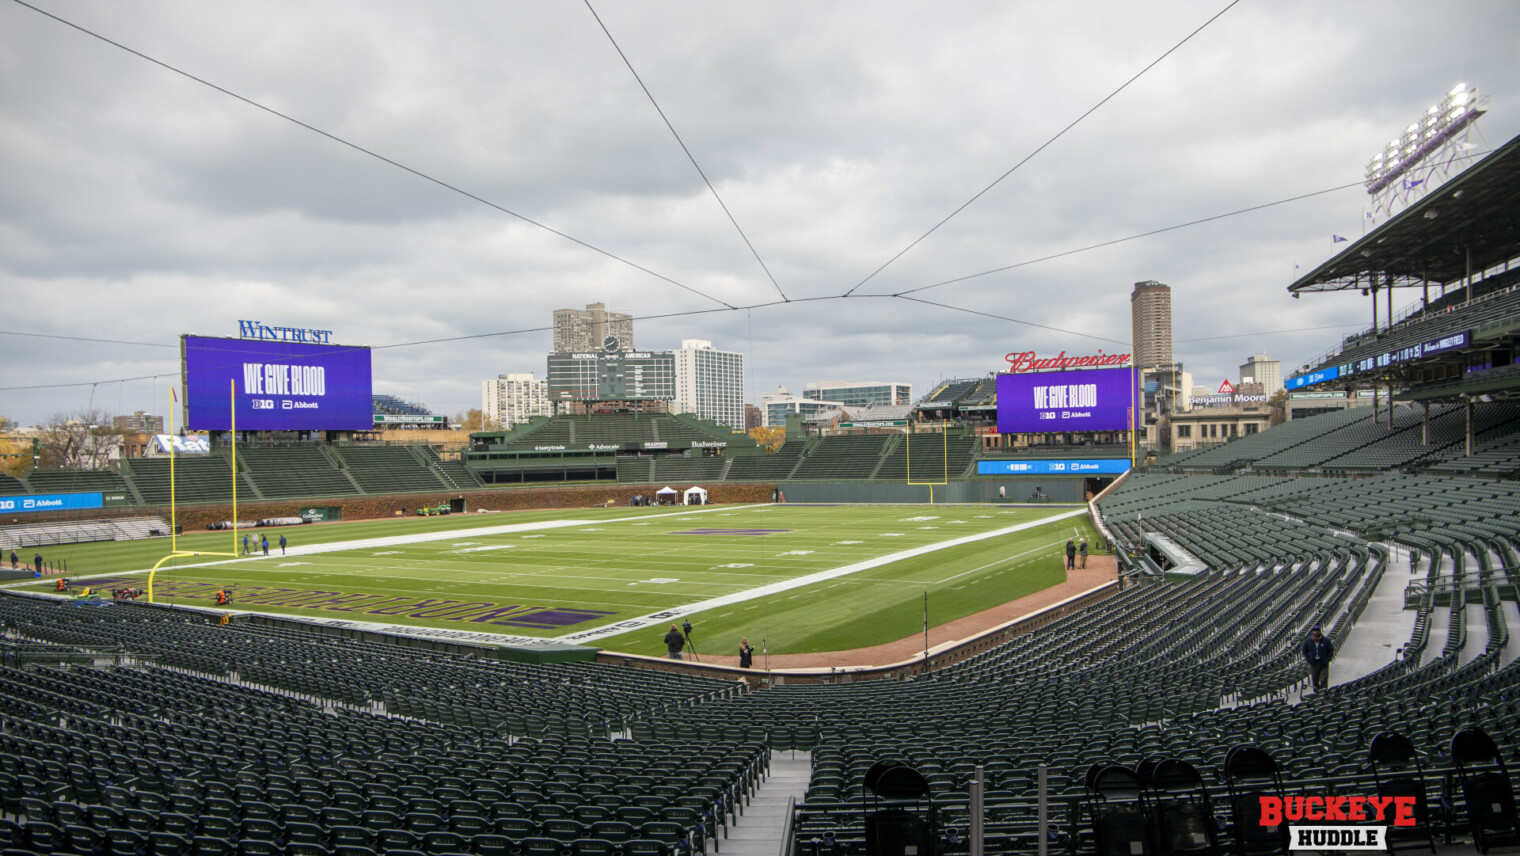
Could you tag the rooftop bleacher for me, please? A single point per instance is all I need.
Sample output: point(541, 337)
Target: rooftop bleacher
point(948, 393)
point(394, 406)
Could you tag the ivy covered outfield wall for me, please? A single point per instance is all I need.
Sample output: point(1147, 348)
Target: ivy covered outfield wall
point(198, 517)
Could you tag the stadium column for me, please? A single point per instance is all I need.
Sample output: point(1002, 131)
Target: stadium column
point(1469, 427)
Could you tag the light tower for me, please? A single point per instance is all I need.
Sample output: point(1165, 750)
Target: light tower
point(1424, 154)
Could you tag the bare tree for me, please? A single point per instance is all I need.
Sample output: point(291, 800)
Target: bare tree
point(77, 441)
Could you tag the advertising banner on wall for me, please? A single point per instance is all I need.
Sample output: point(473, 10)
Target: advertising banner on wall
point(1041, 402)
point(280, 386)
point(1082, 467)
point(50, 502)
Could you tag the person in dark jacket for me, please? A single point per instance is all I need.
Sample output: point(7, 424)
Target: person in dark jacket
point(674, 642)
point(1071, 555)
point(746, 654)
point(1318, 652)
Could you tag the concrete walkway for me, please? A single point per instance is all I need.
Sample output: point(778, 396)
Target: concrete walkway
point(1383, 628)
point(758, 832)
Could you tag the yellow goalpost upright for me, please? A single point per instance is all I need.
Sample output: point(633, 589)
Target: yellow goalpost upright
point(944, 460)
point(174, 551)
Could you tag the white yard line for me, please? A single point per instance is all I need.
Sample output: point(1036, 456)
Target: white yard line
point(797, 582)
point(422, 538)
point(999, 562)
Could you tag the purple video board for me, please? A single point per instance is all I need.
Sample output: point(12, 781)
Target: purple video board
point(1046, 402)
point(281, 386)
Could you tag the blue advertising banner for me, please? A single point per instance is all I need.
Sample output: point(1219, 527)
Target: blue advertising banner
point(281, 386)
point(50, 502)
point(1313, 378)
point(1041, 402)
point(1087, 467)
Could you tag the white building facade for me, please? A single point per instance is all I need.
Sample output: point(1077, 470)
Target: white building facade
point(511, 399)
point(860, 393)
point(1262, 369)
point(710, 383)
point(777, 405)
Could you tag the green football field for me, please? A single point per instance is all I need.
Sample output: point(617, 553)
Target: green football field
point(802, 578)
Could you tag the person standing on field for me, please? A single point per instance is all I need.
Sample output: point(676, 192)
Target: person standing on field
point(674, 642)
point(282, 545)
point(1082, 551)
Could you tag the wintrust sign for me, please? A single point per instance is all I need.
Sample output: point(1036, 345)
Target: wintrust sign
point(1029, 361)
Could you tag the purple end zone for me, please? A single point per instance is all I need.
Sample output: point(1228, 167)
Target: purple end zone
point(551, 618)
point(731, 532)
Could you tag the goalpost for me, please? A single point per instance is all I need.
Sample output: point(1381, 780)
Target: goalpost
point(944, 460)
point(174, 551)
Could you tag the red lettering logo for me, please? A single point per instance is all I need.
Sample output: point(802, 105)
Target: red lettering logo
point(1029, 361)
point(1226, 388)
point(1276, 810)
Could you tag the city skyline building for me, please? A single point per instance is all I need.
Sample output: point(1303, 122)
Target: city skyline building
point(1262, 369)
point(860, 393)
point(585, 331)
point(709, 383)
point(514, 398)
point(778, 404)
point(1150, 319)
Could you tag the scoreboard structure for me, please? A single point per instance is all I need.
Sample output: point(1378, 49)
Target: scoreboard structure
point(612, 374)
point(1084, 400)
point(275, 385)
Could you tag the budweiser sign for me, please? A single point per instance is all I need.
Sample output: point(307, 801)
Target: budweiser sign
point(1029, 361)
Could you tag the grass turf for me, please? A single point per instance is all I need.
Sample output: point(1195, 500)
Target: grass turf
point(623, 563)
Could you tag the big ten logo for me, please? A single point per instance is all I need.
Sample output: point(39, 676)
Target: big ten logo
point(262, 404)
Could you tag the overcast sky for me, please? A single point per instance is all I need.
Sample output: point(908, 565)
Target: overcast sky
point(137, 204)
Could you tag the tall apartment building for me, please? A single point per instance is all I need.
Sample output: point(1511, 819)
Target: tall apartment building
point(1262, 369)
point(585, 331)
point(710, 383)
point(860, 393)
point(511, 399)
point(1150, 322)
point(138, 423)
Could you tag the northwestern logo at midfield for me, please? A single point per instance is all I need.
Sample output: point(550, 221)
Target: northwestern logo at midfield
point(256, 330)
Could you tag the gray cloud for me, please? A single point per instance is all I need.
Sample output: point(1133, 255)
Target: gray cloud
point(140, 205)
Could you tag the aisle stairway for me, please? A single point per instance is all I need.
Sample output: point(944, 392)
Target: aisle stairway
point(760, 828)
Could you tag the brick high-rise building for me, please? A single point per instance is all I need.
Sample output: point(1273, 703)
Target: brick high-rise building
point(584, 331)
point(1150, 322)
